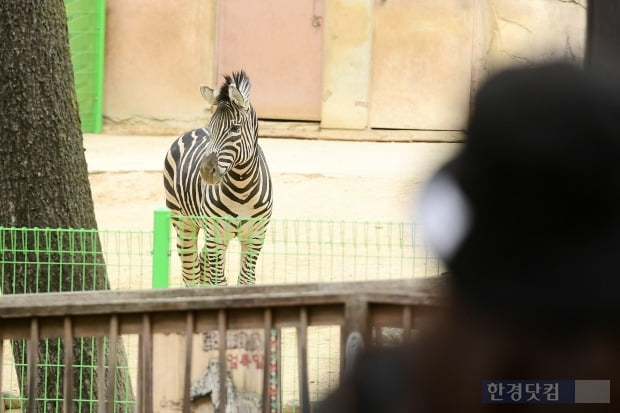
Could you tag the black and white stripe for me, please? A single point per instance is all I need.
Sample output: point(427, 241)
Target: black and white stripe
point(216, 179)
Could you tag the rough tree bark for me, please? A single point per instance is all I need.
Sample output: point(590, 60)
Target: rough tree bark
point(44, 183)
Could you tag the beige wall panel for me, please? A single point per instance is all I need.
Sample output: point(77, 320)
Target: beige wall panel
point(404, 64)
point(421, 64)
point(279, 43)
point(157, 55)
point(523, 32)
point(346, 69)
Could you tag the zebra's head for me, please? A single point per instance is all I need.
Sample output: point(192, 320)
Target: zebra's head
point(233, 128)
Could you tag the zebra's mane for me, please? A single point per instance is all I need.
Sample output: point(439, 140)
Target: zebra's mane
point(239, 79)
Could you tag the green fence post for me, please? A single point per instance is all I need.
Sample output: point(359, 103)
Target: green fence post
point(161, 248)
point(86, 26)
point(99, 67)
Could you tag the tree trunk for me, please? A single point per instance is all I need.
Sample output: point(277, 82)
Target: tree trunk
point(44, 183)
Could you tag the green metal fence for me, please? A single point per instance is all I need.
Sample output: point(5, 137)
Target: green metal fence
point(294, 251)
point(45, 260)
point(70, 259)
point(297, 251)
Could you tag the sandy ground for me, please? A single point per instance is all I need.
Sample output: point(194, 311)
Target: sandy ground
point(296, 196)
point(338, 180)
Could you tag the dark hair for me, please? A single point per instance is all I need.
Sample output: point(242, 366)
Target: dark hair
point(539, 172)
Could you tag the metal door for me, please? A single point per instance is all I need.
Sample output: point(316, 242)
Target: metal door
point(279, 45)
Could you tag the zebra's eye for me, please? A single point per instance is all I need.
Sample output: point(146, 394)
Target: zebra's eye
point(235, 128)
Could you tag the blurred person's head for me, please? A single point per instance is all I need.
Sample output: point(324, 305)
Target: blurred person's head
point(527, 215)
point(527, 219)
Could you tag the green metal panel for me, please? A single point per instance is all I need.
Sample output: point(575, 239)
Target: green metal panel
point(161, 248)
point(86, 24)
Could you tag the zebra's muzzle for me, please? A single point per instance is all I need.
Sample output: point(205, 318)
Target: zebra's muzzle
point(209, 170)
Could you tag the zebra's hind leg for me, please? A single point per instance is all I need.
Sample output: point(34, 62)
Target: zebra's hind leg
point(212, 260)
point(187, 247)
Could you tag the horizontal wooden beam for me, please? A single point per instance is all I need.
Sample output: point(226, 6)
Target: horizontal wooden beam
point(415, 292)
point(90, 312)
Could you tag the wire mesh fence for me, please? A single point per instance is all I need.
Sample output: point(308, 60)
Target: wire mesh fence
point(294, 251)
point(73, 259)
point(300, 251)
point(40, 260)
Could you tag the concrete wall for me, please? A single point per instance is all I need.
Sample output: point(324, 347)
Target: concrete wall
point(157, 53)
point(347, 58)
point(513, 32)
point(422, 62)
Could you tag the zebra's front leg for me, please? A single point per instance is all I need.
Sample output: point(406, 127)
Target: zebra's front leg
point(212, 260)
point(187, 248)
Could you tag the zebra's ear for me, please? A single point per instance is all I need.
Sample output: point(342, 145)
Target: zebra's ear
point(208, 94)
point(236, 97)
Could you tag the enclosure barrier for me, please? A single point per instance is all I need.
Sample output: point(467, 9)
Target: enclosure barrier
point(358, 308)
point(304, 250)
point(295, 251)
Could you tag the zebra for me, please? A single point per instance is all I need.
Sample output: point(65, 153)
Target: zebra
point(216, 179)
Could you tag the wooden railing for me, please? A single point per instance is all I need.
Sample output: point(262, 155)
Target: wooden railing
point(355, 307)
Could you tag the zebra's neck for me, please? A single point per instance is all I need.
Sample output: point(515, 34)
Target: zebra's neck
point(245, 170)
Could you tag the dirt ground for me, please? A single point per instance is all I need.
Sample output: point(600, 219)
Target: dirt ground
point(339, 180)
point(126, 200)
